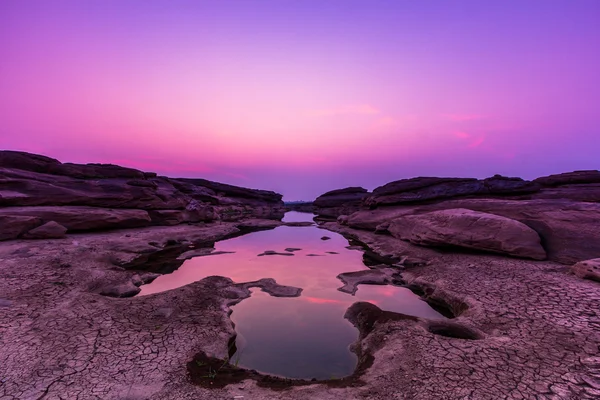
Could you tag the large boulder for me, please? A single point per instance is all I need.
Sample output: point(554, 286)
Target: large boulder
point(589, 269)
point(80, 218)
point(569, 230)
point(469, 229)
point(13, 226)
point(50, 230)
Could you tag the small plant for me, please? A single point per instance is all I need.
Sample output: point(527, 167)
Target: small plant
point(212, 374)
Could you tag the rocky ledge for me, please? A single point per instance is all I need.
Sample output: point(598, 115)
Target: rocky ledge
point(41, 197)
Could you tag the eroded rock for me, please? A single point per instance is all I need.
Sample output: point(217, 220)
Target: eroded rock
point(469, 229)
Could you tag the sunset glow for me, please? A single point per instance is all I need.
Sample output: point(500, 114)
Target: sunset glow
point(304, 97)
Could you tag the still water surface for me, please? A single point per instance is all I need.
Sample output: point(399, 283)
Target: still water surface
point(303, 337)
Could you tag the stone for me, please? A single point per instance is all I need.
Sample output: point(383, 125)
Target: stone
point(127, 289)
point(13, 226)
point(589, 269)
point(469, 229)
point(50, 230)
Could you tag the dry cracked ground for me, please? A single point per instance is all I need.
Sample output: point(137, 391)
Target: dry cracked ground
point(538, 328)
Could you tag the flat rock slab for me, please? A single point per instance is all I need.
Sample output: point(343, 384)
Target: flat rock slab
point(292, 249)
point(270, 286)
point(382, 276)
point(469, 229)
point(274, 253)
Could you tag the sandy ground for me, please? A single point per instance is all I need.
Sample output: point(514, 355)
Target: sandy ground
point(538, 325)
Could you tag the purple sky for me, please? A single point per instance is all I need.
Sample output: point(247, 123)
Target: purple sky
point(306, 96)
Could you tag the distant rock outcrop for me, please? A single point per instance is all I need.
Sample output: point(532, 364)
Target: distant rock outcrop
point(340, 201)
point(35, 189)
point(427, 188)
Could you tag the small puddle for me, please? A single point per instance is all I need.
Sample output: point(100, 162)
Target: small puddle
point(304, 337)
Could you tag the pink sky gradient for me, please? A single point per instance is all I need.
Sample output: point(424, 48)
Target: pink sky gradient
point(304, 97)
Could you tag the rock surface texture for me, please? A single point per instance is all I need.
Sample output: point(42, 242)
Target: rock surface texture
point(35, 190)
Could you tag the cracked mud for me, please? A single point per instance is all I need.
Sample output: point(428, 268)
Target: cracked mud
point(523, 329)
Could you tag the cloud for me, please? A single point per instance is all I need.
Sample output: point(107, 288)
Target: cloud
point(463, 117)
point(361, 109)
point(474, 141)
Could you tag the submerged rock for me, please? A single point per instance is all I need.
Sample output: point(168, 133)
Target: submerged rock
point(274, 253)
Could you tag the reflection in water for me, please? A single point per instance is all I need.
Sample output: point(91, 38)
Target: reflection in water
point(303, 337)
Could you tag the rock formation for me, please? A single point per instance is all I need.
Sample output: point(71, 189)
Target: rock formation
point(36, 190)
point(340, 201)
point(562, 209)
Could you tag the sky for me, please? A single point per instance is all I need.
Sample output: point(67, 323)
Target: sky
point(302, 97)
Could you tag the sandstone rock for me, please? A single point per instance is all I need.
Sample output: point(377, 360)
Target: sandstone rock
point(76, 218)
point(589, 192)
point(34, 180)
point(338, 197)
point(469, 229)
point(50, 230)
point(589, 269)
point(340, 201)
point(429, 188)
point(13, 226)
point(569, 178)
